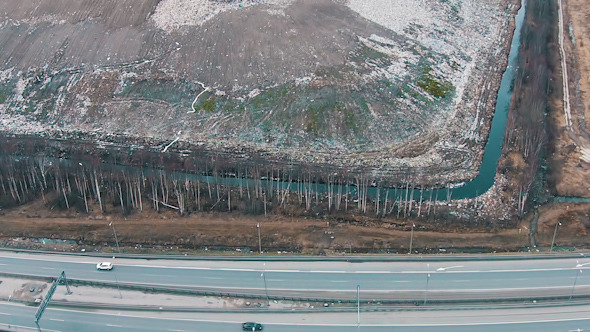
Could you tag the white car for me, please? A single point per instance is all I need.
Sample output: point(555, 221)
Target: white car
point(104, 266)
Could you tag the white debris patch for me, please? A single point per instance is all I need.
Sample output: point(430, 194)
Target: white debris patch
point(254, 93)
point(393, 14)
point(20, 88)
point(6, 74)
point(429, 24)
point(174, 14)
point(403, 58)
point(429, 21)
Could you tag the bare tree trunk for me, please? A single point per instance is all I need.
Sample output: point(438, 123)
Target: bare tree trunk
point(121, 196)
point(420, 202)
point(139, 194)
point(385, 204)
point(98, 191)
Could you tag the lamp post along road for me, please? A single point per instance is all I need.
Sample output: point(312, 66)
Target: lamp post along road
point(259, 240)
point(554, 233)
point(440, 269)
point(411, 237)
point(116, 239)
point(119, 251)
point(265, 289)
point(427, 280)
point(263, 275)
point(358, 307)
point(575, 281)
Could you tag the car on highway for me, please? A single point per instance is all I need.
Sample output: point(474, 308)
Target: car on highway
point(104, 266)
point(251, 326)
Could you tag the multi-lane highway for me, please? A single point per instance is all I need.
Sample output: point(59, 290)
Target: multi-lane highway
point(20, 318)
point(485, 279)
point(381, 280)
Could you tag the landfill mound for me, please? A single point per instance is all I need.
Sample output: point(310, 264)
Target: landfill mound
point(386, 85)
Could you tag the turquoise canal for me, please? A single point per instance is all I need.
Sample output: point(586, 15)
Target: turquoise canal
point(485, 179)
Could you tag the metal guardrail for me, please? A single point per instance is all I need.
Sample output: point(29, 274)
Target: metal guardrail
point(330, 308)
point(302, 258)
point(196, 291)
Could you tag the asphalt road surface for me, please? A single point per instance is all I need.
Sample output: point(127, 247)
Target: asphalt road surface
point(381, 280)
point(20, 318)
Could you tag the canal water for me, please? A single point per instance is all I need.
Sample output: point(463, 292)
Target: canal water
point(493, 150)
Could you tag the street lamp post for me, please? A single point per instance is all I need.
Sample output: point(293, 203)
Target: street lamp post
point(575, 281)
point(265, 287)
point(119, 251)
point(554, 233)
point(259, 240)
point(411, 238)
point(358, 307)
point(116, 239)
point(427, 280)
point(440, 269)
point(117, 281)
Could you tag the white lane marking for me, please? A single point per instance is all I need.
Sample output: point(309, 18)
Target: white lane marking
point(433, 271)
point(340, 271)
point(308, 324)
point(113, 325)
point(57, 320)
point(338, 281)
point(175, 330)
point(293, 271)
point(193, 268)
point(3, 313)
point(487, 323)
point(213, 278)
point(47, 268)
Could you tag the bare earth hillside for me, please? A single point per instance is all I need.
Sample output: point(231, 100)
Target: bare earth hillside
point(570, 159)
point(381, 84)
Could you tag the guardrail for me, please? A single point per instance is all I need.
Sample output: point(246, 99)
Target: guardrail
point(367, 301)
point(352, 259)
point(320, 308)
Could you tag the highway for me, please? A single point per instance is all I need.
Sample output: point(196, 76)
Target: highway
point(537, 319)
point(392, 280)
point(381, 280)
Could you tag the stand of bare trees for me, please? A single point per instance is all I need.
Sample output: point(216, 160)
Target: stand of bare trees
point(526, 127)
point(73, 185)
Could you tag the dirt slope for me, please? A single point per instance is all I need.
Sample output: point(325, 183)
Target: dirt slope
point(385, 85)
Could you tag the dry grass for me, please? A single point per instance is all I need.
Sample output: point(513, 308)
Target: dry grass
point(278, 233)
point(570, 173)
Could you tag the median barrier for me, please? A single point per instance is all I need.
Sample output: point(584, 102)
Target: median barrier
point(350, 259)
point(196, 291)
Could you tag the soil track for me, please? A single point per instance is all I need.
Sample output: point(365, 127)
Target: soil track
point(165, 231)
point(571, 172)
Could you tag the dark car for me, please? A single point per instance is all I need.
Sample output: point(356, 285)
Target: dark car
point(250, 326)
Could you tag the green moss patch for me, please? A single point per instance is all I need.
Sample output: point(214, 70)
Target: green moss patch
point(430, 84)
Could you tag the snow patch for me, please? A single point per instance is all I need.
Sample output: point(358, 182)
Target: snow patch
point(254, 93)
point(174, 14)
